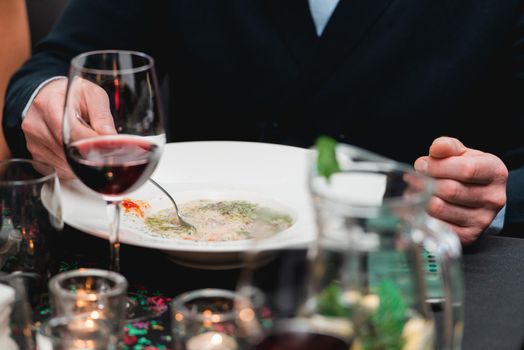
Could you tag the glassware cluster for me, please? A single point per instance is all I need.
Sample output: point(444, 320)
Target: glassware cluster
point(364, 282)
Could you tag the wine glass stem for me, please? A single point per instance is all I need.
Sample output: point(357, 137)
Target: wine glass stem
point(113, 213)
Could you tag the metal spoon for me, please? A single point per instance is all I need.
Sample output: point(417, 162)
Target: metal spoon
point(181, 220)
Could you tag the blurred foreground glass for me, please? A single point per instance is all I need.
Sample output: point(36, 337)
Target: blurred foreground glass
point(76, 332)
point(370, 276)
point(31, 215)
point(273, 287)
point(15, 314)
point(99, 294)
point(205, 319)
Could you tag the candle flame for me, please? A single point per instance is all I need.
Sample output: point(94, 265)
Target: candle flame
point(95, 315)
point(216, 339)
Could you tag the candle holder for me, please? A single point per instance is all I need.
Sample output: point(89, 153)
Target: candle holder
point(100, 294)
point(75, 332)
point(206, 319)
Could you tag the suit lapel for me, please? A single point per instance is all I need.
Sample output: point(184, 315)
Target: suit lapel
point(318, 58)
point(348, 25)
point(295, 24)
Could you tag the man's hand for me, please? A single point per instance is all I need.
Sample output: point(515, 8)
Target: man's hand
point(470, 186)
point(42, 127)
point(88, 105)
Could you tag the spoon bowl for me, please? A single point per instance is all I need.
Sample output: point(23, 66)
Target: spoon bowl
point(181, 220)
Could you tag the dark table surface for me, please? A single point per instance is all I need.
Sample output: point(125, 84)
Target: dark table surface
point(493, 270)
point(494, 302)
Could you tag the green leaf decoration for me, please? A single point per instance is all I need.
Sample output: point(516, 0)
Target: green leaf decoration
point(330, 303)
point(388, 320)
point(327, 163)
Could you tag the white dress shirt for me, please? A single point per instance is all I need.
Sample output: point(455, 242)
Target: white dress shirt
point(321, 11)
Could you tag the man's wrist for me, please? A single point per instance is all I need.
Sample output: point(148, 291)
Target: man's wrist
point(36, 91)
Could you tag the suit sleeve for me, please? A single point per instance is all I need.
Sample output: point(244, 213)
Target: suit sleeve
point(514, 217)
point(84, 25)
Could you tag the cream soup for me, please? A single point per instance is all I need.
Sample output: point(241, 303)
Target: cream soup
point(224, 220)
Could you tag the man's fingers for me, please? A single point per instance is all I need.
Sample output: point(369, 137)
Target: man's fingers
point(479, 218)
point(444, 146)
point(96, 105)
point(473, 167)
point(470, 195)
point(41, 152)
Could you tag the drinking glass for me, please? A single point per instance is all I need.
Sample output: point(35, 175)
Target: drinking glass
point(15, 313)
point(113, 129)
point(74, 332)
point(368, 267)
point(273, 286)
point(98, 294)
point(361, 283)
point(30, 223)
point(205, 319)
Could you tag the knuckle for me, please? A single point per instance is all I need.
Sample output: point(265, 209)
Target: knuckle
point(27, 126)
point(494, 198)
point(501, 173)
point(484, 220)
point(467, 235)
point(498, 201)
point(450, 190)
point(469, 170)
point(436, 207)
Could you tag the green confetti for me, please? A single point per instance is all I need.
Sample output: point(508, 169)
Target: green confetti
point(144, 341)
point(136, 331)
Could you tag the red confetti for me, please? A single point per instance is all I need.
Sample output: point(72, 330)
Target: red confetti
point(130, 340)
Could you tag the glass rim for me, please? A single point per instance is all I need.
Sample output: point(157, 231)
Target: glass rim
point(375, 166)
point(119, 287)
point(46, 326)
point(75, 62)
point(179, 304)
point(44, 178)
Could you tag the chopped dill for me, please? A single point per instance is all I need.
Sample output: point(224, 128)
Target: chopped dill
point(241, 210)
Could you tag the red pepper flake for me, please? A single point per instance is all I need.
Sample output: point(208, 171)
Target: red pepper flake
point(135, 206)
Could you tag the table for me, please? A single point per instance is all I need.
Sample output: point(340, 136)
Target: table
point(494, 302)
point(493, 270)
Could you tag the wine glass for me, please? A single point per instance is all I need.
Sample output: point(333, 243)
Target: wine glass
point(113, 127)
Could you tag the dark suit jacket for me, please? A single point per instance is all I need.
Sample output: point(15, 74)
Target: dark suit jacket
point(387, 75)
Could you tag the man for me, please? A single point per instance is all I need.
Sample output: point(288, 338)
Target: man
point(386, 75)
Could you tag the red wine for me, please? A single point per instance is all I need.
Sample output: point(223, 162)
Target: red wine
point(290, 340)
point(113, 165)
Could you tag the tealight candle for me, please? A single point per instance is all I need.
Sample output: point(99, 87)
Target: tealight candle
point(84, 299)
point(79, 325)
point(211, 341)
point(77, 332)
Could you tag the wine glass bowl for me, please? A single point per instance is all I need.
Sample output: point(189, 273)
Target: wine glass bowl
point(113, 122)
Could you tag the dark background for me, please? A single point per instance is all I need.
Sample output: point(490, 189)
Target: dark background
point(42, 16)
